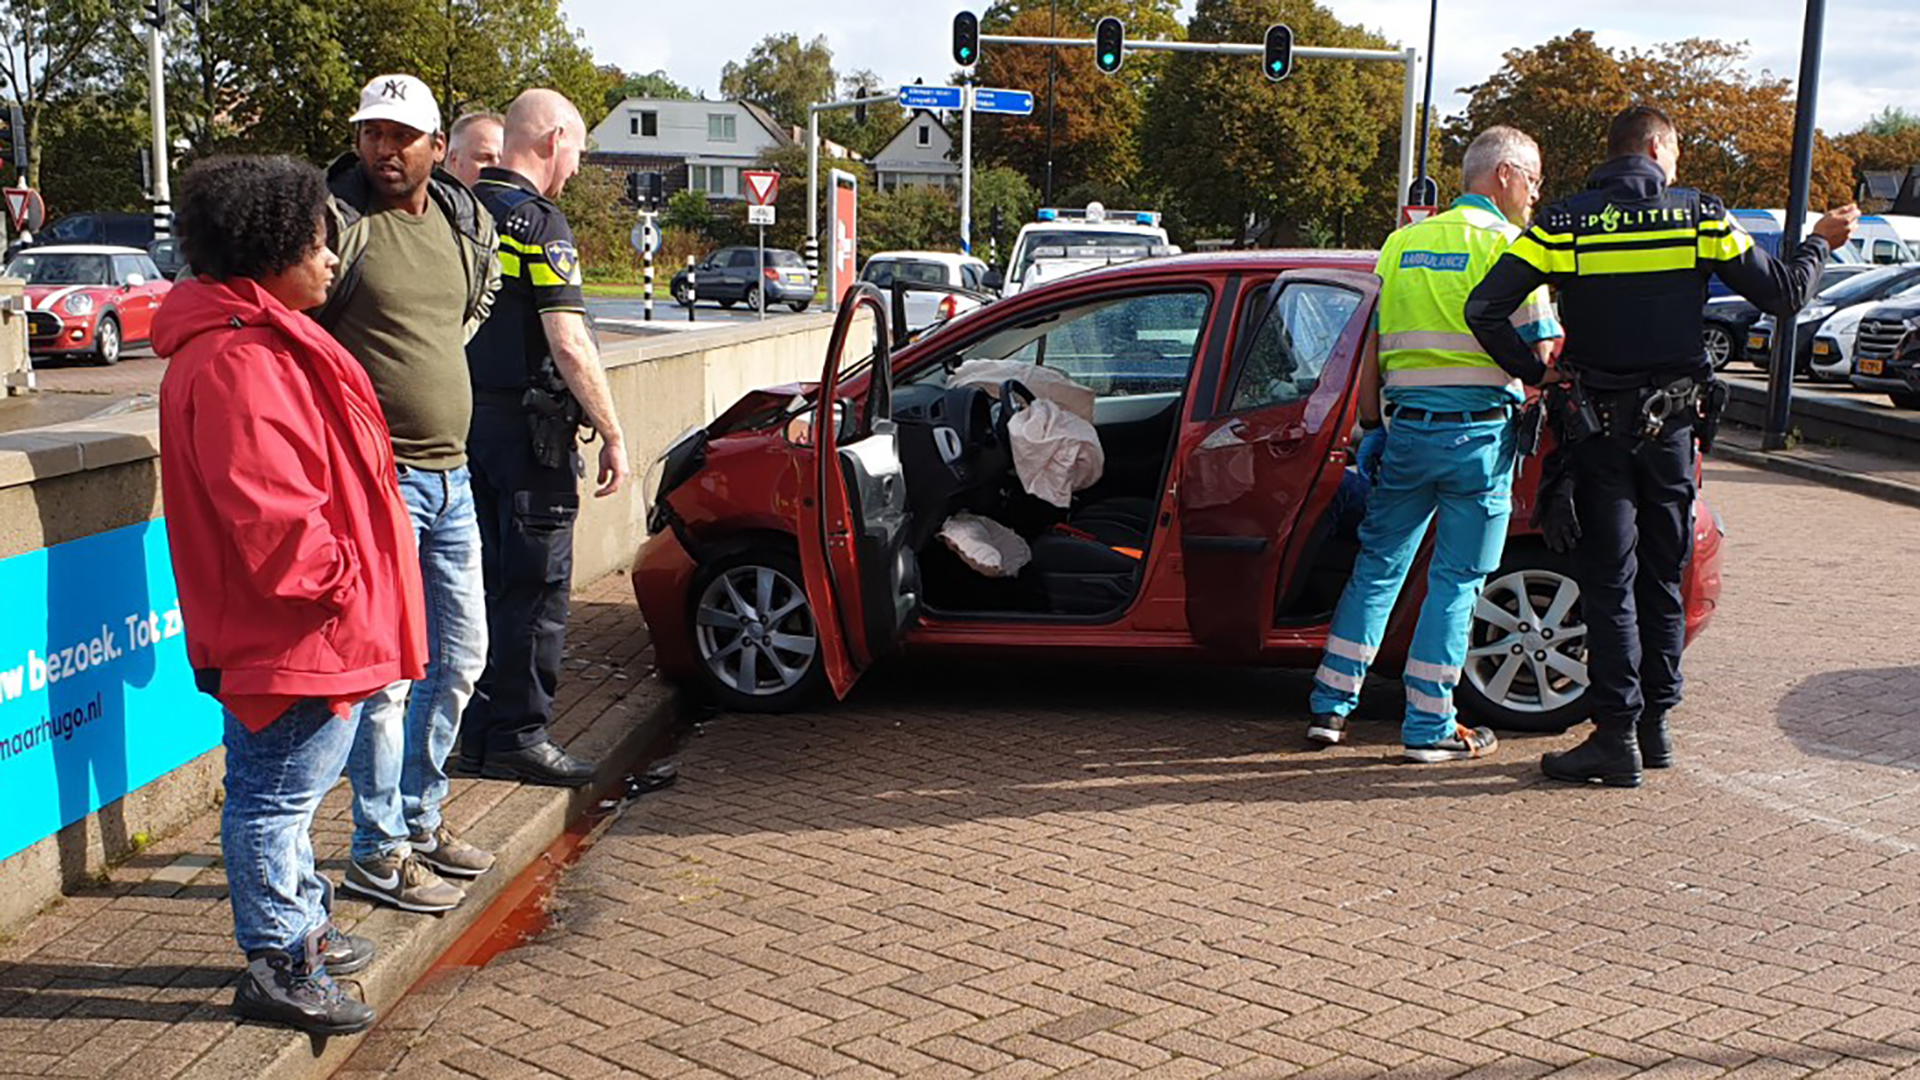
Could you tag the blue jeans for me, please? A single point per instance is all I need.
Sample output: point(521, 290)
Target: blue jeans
point(399, 760)
point(275, 780)
point(1460, 476)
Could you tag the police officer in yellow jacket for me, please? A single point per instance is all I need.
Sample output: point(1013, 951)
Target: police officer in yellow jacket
point(1630, 257)
point(1448, 456)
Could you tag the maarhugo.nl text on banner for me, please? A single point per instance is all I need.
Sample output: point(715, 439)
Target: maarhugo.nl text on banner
point(96, 698)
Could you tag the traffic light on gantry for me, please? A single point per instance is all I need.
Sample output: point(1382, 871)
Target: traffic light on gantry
point(1279, 55)
point(1109, 45)
point(966, 39)
point(860, 110)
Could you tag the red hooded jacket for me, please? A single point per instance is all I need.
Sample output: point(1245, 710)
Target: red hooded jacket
point(293, 551)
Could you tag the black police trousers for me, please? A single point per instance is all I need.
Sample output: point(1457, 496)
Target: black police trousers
point(1635, 504)
point(526, 514)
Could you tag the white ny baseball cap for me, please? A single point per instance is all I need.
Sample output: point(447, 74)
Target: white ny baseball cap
point(402, 99)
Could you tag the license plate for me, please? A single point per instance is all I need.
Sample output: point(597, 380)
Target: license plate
point(1822, 348)
point(1756, 342)
point(1872, 367)
point(797, 279)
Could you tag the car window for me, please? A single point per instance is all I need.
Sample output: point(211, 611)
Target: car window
point(125, 265)
point(1294, 344)
point(1140, 344)
point(59, 269)
point(783, 257)
point(970, 276)
point(743, 260)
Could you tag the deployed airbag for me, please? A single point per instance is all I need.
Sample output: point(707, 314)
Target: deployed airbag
point(985, 545)
point(1055, 451)
point(1046, 383)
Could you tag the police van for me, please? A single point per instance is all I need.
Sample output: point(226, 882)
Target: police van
point(1065, 242)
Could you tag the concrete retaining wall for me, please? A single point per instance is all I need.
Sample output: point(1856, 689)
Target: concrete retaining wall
point(75, 480)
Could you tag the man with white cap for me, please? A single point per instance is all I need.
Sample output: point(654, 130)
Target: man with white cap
point(417, 274)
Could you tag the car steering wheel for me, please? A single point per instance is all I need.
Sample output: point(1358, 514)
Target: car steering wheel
point(1009, 390)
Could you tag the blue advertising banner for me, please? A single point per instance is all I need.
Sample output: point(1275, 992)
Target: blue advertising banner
point(96, 698)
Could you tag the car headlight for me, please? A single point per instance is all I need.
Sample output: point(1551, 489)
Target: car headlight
point(78, 304)
point(1817, 311)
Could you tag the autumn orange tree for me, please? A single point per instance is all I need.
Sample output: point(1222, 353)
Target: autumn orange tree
point(1887, 142)
point(1736, 129)
point(1096, 117)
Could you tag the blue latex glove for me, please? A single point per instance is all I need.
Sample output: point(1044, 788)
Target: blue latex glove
point(1367, 456)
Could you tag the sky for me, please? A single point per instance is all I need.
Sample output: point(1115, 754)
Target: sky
point(1871, 57)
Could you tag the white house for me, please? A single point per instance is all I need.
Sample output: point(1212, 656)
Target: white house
point(920, 153)
point(701, 145)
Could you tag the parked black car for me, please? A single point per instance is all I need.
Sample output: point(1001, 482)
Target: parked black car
point(1886, 354)
point(1729, 319)
point(734, 275)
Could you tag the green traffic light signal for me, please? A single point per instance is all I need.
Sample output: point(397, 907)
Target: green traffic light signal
point(1279, 50)
point(966, 38)
point(1109, 40)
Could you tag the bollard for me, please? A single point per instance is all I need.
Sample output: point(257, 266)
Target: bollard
point(646, 278)
point(693, 288)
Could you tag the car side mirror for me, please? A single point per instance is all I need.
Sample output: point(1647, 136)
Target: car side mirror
point(994, 280)
point(134, 281)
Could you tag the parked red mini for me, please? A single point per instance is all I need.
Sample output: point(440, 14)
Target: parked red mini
point(1221, 527)
point(88, 299)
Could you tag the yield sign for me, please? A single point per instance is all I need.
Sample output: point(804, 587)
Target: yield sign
point(1411, 214)
point(762, 187)
point(18, 199)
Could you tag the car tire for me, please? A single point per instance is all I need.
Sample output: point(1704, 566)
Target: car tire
point(683, 295)
point(799, 306)
point(1503, 688)
point(1906, 399)
point(728, 304)
point(1719, 344)
point(755, 298)
point(748, 662)
point(106, 341)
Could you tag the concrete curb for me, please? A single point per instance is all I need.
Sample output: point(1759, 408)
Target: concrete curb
point(1785, 463)
point(518, 831)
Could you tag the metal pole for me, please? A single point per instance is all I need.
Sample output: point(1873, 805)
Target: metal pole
point(646, 270)
point(1785, 327)
point(760, 279)
point(813, 192)
point(157, 102)
point(966, 169)
point(1412, 59)
point(1426, 98)
point(1053, 27)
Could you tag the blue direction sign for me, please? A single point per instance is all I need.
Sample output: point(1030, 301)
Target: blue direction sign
point(930, 97)
point(1011, 102)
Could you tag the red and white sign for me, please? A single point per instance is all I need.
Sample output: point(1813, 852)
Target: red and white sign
point(19, 202)
point(762, 187)
point(1411, 214)
point(842, 233)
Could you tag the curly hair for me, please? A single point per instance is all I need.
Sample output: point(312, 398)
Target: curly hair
point(249, 216)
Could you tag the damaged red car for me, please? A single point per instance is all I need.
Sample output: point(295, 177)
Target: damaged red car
point(1148, 463)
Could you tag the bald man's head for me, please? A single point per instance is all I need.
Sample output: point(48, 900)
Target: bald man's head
point(544, 139)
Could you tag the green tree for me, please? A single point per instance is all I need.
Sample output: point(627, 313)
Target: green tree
point(1300, 158)
point(631, 84)
point(784, 76)
point(1009, 192)
point(49, 47)
point(790, 205)
point(1891, 121)
point(910, 218)
point(883, 118)
point(601, 224)
point(91, 147)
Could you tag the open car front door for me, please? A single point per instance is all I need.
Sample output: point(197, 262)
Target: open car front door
point(1274, 451)
point(862, 581)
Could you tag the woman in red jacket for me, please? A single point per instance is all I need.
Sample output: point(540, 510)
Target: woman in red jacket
point(295, 558)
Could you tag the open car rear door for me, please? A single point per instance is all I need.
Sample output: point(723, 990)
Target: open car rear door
point(862, 581)
point(1273, 453)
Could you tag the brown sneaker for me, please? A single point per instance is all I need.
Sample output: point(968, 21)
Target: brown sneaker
point(404, 882)
point(449, 855)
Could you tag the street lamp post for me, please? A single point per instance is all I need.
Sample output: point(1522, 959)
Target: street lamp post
point(1800, 182)
point(1428, 192)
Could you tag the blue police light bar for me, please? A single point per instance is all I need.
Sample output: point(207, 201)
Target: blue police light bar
point(1049, 215)
point(1144, 218)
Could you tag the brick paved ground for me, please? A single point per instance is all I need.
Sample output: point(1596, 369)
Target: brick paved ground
point(132, 978)
point(1015, 871)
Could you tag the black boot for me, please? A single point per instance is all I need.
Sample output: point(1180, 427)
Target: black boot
point(1656, 749)
point(1610, 756)
point(278, 989)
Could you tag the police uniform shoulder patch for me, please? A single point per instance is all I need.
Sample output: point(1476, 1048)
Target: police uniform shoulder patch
point(562, 256)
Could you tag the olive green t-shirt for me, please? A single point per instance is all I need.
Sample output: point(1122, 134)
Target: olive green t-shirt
point(405, 323)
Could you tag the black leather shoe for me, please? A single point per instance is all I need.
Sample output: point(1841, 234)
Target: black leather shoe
point(542, 763)
point(466, 763)
point(277, 989)
point(345, 954)
point(1656, 749)
point(1610, 756)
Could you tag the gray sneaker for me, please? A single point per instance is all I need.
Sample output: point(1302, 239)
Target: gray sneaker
point(404, 882)
point(449, 855)
point(1463, 744)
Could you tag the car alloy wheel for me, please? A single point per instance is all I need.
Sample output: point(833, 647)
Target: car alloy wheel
point(107, 340)
point(683, 295)
point(1719, 345)
point(1527, 650)
point(755, 631)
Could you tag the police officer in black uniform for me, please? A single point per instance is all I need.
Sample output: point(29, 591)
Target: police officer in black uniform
point(1630, 257)
point(536, 382)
